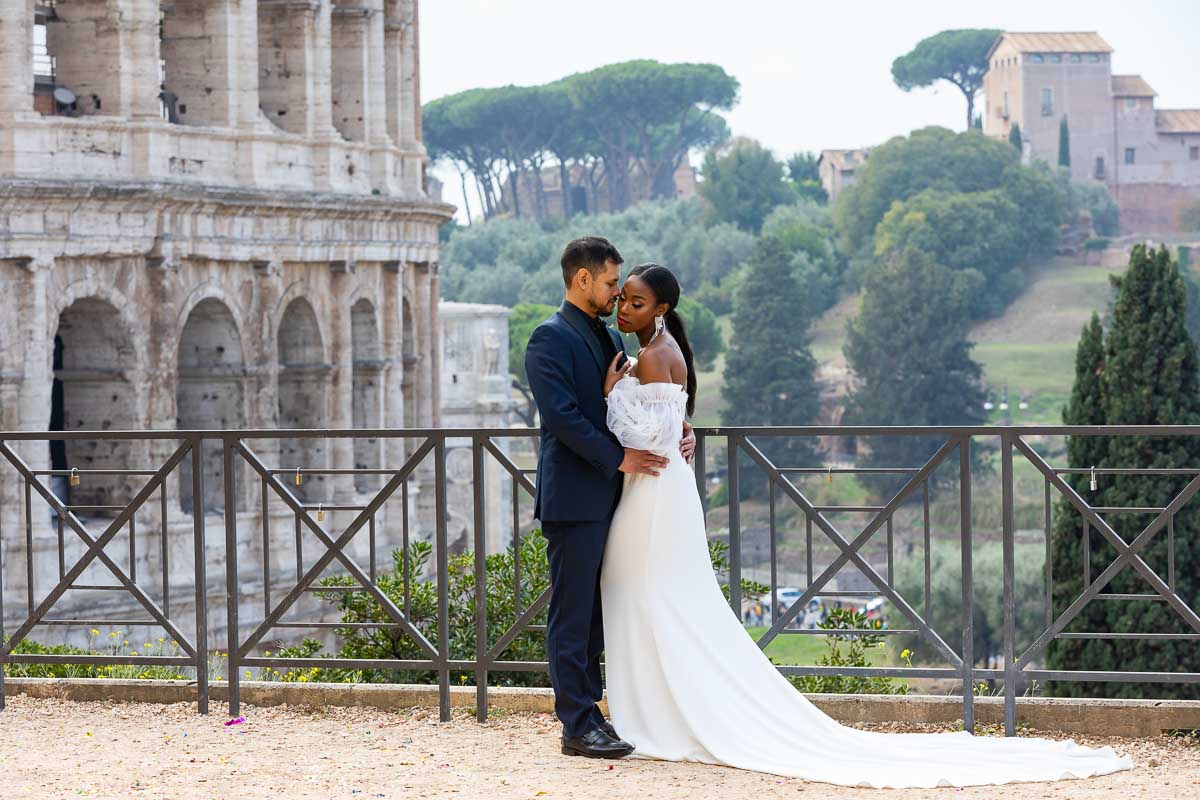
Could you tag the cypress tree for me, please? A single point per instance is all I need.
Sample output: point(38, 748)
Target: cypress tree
point(910, 356)
point(1147, 376)
point(1064, 143)
point(1014, 136)
point(770, 373)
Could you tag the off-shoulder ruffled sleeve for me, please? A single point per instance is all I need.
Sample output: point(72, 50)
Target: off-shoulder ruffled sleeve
point(647, 416)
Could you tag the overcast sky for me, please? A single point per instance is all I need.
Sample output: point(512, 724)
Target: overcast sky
point(813, 75)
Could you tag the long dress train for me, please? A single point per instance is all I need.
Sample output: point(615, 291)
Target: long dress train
point(686, 683)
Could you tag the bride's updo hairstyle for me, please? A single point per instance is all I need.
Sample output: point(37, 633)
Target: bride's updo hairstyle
point(666, 290)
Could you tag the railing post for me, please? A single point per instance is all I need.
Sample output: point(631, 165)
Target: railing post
point(481, 659)
point(735, 528)
point(698, 466)
point(231, 578)
point(443, 572)
point(1010, 634)
point(968, 593)
point(1, 601)
point(201, 575)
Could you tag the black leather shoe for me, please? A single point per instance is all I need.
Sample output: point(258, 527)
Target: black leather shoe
point(596, 744)
point(607, 727)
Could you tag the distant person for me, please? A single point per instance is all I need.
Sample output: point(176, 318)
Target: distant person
point(685, 682)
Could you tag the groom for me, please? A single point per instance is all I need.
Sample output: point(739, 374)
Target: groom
point(579, 482)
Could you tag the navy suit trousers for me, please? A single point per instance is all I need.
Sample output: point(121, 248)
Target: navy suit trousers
point(575, 626)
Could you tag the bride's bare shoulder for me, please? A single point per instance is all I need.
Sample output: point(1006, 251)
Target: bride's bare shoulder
point(657, 363)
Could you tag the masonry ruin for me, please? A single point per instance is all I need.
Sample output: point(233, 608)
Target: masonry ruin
point(213, 214)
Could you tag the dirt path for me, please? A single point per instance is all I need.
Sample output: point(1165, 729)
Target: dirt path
point(60, 749)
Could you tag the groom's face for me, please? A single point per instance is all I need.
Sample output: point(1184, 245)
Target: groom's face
point(605, 287)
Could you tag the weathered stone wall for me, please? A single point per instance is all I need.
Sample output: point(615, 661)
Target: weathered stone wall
point(202, 248)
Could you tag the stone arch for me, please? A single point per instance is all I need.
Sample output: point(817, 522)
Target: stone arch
point(367, 372)
point(209, 390)
point(303, 393)
point(95, 368)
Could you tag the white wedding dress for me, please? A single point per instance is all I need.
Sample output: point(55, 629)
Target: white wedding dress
point(686, 683)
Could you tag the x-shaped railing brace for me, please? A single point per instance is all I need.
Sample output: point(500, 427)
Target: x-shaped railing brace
point(333, 549)
point(1127, 554)
point(850, 549)
point(95, 550)
point(518, 626)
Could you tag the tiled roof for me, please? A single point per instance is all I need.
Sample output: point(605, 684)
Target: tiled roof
point(1060, 42)
point(1177, 120)
point(1131, 86)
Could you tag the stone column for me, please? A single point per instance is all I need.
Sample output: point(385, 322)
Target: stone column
point(140, 57)
point(405, 93)
point(16, 66)
point(383, 177)
point(322, 81)
point(426, 336)
point(342, 379)
point(393, 352)
point(435, 350)
point(162, 356)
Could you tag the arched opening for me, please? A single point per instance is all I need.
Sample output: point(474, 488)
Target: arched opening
point(288, 73)
point(92, 391)
point(196, 62)
point(367, 379)
point(408, 351)
point(303, 394)
point(78, 48)
point(209, 392)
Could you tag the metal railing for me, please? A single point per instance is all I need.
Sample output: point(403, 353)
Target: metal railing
point(274, 491)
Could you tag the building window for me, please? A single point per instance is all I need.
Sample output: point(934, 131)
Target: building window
point(1130, 103)
point(1194, 153)
point(1129, 152)
point(1047, 102)
point(1036, 58)
point(1099, 173)
point(1056, 58)
point(1006, 105)
point(1076, 58)
point(1094, 58)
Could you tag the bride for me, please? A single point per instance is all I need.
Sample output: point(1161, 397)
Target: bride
point(685, 681)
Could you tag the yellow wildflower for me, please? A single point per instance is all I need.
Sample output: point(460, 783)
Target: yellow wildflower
point(905, 653)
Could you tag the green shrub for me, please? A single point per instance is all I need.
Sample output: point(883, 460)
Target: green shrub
point(854, 655)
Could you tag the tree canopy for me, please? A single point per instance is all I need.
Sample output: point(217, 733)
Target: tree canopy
point(957, 56)
point(652, 115)
point(742, 183)
point(939, 159)
point(910, 357)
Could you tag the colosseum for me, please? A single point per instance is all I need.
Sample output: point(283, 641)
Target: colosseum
point(213, 214)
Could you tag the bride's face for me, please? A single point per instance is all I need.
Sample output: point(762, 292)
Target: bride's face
point(637, 306)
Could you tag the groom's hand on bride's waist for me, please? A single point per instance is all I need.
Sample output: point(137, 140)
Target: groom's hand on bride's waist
point(687, 445)
point(642, 462)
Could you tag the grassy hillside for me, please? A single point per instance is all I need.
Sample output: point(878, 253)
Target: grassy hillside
point(1031, 347)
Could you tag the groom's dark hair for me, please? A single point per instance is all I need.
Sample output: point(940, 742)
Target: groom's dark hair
point(590, 253)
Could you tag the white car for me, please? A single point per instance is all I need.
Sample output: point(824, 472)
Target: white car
point(809, 617)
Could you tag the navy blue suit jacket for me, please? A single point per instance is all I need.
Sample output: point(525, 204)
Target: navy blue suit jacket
point(578, 471)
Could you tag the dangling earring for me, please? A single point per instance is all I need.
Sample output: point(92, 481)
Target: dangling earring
point(659, 325)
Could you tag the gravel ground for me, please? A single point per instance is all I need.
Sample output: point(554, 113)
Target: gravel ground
point(65, 749)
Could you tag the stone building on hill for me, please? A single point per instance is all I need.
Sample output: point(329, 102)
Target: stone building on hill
point(213, 214)
point(836, 168)
point(1148, 157)
point(587, 191)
